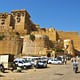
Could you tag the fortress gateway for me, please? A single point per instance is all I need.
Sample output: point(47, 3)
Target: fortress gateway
point(19, 35)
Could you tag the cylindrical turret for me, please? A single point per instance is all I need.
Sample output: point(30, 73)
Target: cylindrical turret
point(34, 46)
point(68, 45)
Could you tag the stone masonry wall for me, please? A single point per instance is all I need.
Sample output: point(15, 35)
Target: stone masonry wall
point(70, 35)
point(34, 47)
point(51, 33)
point(10, 47)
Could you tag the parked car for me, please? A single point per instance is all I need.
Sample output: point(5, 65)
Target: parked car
point(44, 58)
point(33, 61)
point(54, 61)
point(18, 63)
point(27, 64)
point(41, 64)
point(23, 63)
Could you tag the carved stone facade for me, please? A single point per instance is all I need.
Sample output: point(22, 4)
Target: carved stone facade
point(18, 21)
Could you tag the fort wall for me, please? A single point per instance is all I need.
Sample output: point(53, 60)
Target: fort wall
point(19, 22)
point(10, 46)
point(34, 47)
point(70, 35)
point(51, 33)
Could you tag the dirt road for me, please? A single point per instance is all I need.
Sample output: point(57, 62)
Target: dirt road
point(53, 72)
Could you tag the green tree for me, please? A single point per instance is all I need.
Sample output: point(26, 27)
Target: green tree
point(32, 37)
point(2, 36)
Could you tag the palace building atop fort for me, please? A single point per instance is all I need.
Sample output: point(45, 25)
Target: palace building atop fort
point(16, 29)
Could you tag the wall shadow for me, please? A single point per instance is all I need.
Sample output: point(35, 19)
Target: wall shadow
point(78, 71)
point(2, 76)
point(59, 74)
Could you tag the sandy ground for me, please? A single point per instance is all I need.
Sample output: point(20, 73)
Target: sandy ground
point(53, 72)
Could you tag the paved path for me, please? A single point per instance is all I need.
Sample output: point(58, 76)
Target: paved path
point(53, 72)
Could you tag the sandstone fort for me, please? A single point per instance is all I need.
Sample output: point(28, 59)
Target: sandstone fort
point(20, 36)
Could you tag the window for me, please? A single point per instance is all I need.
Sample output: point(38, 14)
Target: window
point(3, 21)
point(18, 19)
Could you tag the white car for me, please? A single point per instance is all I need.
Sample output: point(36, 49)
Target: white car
point(54, 61)
point(22, 63)
point(27, 63)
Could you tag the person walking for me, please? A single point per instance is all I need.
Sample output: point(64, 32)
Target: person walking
point(36, 64)
point(75, 66)
point(65, 60)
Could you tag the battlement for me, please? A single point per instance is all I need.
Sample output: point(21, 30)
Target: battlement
point(68, 34)
point(4, 15)
point(20, 12)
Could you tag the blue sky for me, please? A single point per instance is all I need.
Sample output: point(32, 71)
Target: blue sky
point(63, 15)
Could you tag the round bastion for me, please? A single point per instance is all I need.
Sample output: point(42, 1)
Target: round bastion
point(68, 45)
point(34, 47)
